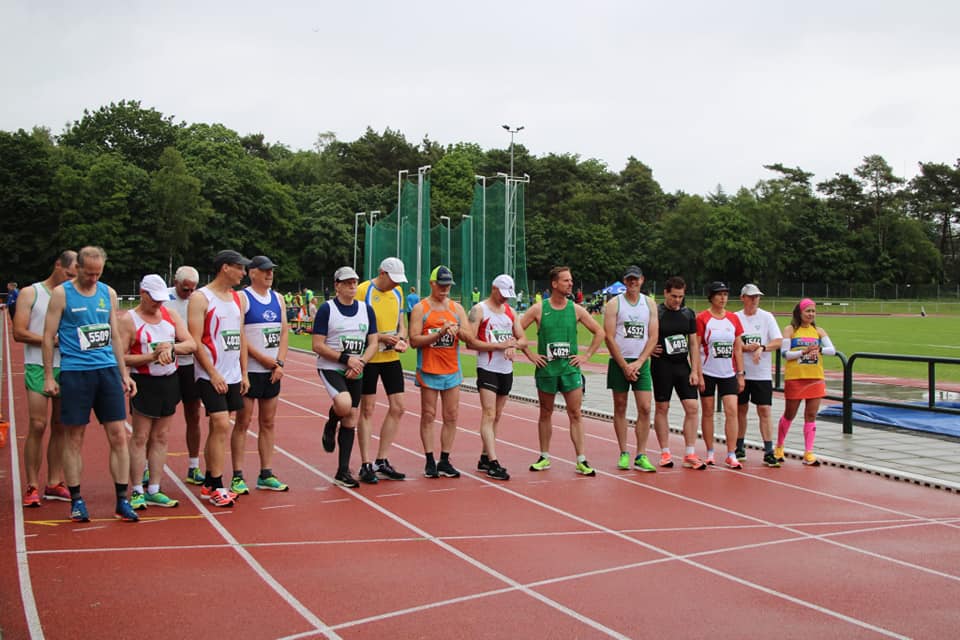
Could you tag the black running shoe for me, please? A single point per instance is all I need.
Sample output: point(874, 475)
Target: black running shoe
point(330, 434)
point(386, 469)
point(344, 479)
point(495, 471)
point(430, 470)
point(770, 460)
point(483, 464)
point(741, 453)
point(367, 474)
point(445, 469)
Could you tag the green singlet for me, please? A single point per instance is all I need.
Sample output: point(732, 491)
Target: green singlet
point(557, 339)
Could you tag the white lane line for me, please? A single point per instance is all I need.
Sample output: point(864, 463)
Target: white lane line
point(388, 495)
point(277, 506)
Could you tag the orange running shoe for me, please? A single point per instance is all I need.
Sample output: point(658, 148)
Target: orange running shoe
point(693, 461)
point(666, 460)
point(31, 497)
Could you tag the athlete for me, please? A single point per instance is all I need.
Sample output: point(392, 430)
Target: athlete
point(152, 336)
point(267, 332)
point(28, 329)
point(412, 300)
point(498, 330)
point(558, 363)
point(803, 344)
point(437, 325)
point(631, 329)
point(345, 340)
point(721, 361)
point(82, 318)
point(185, 282)
point(215, 318)
point(761, 335)
point(385, 296)
point(676, 367)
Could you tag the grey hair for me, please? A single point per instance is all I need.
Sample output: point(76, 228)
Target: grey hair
point(186, 274)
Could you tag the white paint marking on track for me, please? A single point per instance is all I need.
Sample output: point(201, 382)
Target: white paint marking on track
point(277, 506)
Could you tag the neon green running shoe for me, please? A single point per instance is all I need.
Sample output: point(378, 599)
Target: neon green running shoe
point(194, 476)
point(584, 469)
point(137, 502)
point(624, 462)
point(271, 484)
point(540, 465)
point(642, 462)
point(238, 486)
point(160, 499)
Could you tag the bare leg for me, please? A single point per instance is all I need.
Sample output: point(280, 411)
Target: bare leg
point(545, 420)
point(119, 451)
point(428, 413)
point(388, 432)
point(573, 400)
point(157, 451)
point(620, 419)
point(450, 405)
point(642, 427)
point(267, 433)
point(238, 437)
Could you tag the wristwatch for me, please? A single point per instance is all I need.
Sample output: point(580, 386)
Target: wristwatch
point(279, 363)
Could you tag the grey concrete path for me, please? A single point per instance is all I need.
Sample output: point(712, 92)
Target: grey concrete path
point(908, 456)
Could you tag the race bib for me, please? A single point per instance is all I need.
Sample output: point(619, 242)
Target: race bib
point(93, 336)
point(810, 358)
point(271, 337)
point(446, 341)
point(750, 338)
point(803, 343)
point(722, 349)
point(634, 330)
point(675, 345)
point(558, 350)
point(231, 339)
point(500, 336)
point(353, 345)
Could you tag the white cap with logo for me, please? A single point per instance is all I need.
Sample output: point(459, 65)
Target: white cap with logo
point(393, 267)
point(504, 284)
point(156, 287)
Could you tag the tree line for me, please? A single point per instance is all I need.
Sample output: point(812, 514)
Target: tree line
point(156, 193)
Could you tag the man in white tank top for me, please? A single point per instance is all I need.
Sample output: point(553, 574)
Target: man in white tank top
point(631, 327)
point(499, 335)
point(28, 329)
point(215, 319)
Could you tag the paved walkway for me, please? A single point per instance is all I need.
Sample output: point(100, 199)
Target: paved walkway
point(908, 456)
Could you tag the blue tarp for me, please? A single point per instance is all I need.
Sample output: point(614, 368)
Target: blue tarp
point(941, 423)
point(615, 289)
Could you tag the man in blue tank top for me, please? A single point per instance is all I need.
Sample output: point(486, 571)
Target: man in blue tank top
point(82, 315)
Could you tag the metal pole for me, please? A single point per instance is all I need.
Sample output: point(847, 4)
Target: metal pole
point(399, 200)
point(373, 236)
point(421, 172)
point(483, 227)
point(356, 224)
point(467, 216)
point(448, 259)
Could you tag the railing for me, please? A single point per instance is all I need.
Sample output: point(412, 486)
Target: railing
point(847, 397)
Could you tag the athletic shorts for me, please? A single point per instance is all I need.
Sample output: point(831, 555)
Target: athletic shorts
point(98, 389)
point(802, 389)
point(214, 402)
point(33, 378)
point(669, 377)
point(760, 391)
point(565, 383)
point(439, 381)
point(500, 383)
point(260, 386)
point(618, 382)
point(188, 385)
point(390, 372)
point(719, 386)
point(336, 383)
point(157, 396)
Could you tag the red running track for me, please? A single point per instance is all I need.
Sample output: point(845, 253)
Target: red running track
point(791, 552)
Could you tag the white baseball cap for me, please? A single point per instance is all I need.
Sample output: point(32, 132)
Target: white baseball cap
point(751, 290)
point(504, 284)
point(393, 268)
point(156, 287)
point(345, 273)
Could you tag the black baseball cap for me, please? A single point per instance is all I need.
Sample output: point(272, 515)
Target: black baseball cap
point(717, 287)
point(229, 256)
point(633, 271)
point(261, 262)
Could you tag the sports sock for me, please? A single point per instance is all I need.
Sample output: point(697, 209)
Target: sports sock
point(768, 446)
point(545, 455)
point(345, 441)
point(153, 488)
point(581, 458)
point(121, 488)
point(265, 473)
point(214, 483)
point(193, 463)
point(809, 434)
point(137, 488)
point(74, 492)
point(740, 443)
point(689, 451)
point(444, 456)
point(429, 457)
point(783, 426)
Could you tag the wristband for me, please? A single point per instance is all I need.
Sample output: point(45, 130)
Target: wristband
point(763, 347)
point(279, 363)
point(344, 357)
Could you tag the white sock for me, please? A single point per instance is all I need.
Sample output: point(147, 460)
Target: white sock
point(194, 463)
point(153, 488)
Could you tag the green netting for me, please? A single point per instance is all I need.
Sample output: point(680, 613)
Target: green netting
point(380, 238)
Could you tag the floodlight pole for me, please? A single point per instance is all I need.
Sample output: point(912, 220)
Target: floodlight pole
point(356, 230)
point(483, 225)
point(399, 199)
point(512, 132)
point(467, 216)
point(447, 218)
point(373, 220)
point(421, 174)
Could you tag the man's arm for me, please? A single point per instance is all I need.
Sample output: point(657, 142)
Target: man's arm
point(119, 348)
point(593, 327)
point(653, 332)
point(51, 328)
point(609, 335)
point(21, 319)
point(530, 316)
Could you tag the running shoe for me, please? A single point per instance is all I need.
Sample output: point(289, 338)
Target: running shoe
point(693, 461)
point(194, 476)
point(125, 512)
point(584, 469)
point(57, 492)
point(367, 474)
point(445, 469)
point(430, 470)
point(238, 486)
point(483, 464)
point(624, 462)
point(741, 453)
point(271, 484)
point(78, 511)
point(329, 439)
point(770, 460)
point(540, 465)
point(710, 461)
point(219, 497)
point(733, 463)
point(778, 453)
point(642, 462)
point(495, 471)
point(344, 479)
point(138, 502)
point(31, 497)
point(810, 459)
point(160, 499)
point(666, 460)
point(386, 469)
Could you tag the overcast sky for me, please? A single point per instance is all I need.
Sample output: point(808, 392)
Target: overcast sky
point(705, 93)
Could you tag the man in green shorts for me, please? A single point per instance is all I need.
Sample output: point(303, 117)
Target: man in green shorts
point(558, 362)
point(28, 325)
point(631, 326)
